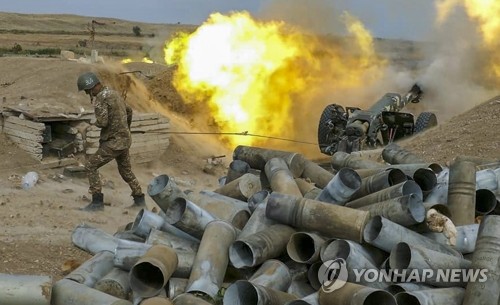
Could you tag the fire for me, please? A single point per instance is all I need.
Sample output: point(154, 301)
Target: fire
point(486, 14)
point(249, 73)
point(144, 59)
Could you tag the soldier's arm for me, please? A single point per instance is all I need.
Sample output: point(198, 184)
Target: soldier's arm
point(129, 115)
point(101, 114)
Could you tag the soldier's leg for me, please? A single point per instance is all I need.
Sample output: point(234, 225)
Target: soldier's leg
point(102, 156)
point(125, 169)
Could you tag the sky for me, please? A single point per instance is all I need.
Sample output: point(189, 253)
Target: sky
point(407, 19)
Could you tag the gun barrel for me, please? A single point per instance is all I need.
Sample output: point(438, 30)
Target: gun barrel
point(396, 102)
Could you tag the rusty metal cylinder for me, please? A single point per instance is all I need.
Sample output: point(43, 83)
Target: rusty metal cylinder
point(486, 257)
point(115, 283)
point(257, 158)
point(405, 210)
point(342, 159)
point(188, 217)
point(256, 199)
point(156, 301)
point(462, 192)
point(212, 259)
point(327, 219)
point(307, 189)
point(163, 190)
point(398, 190)
point(394, 289)
point(158, 237)
point(68, 292)
point(189, 299)
point(25, 289)
point(281, 178)
point(465, 240)
point(379, 181)
point(241, 188)
point(342, 186)
point(305, 247)
point(153, 270)
point(354, 294)
point(486, 202)
point(177, 286)
point(426, 179)
point(247, 293)
point(256, 248)
point(316, 174)
point(418, 259)
point(273, 274)
point(145, 221)
point(93, 240)
point(257, 222)
point(300, 287)
point(487, 179)
point(395, 154)
point(451, 296)
point(385, 235)
point(312, 275)
point(237, 168)
point(222, 207)
point(311, 299)
point(93, 269)
point(127, 253)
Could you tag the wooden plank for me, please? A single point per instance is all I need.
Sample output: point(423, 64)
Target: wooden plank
point(22, 128)
point(25, 142)
point(29, 149)
point(22, 135)
point(26, 123)
point(57, 163)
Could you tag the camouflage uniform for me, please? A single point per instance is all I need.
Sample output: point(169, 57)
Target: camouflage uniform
point(114, 117)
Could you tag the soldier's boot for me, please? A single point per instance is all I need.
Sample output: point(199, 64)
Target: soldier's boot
point(97, 203)
point(139, 202)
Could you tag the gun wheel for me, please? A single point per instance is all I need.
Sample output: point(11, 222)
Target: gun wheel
point(333, 115)
point(424, 121)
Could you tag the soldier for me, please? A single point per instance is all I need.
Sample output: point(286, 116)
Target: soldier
point(114, 117)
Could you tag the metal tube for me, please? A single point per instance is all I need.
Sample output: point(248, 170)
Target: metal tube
point(462, 192)
point(93, 240)
point(379, 181)
point(342, 159)
point(273, 274)
point(426, 179)
point(312, 275)
point(487, 257)
point(329, 220)
point(163, 190)
point(237, 168)
point(405, 210)
point(153, 270)
point(176, 286)
point(25, 289)
point(307, 189)
point(354, 257)
point(317, 174)
point(354, 294)
point(256, 199)
point(115, 283)
point(465, 239)
point(212, 259)
point(257, 158)
point(394, 154)
point(156, 237)
point(156, 301)
point(146, 220)
point(256, 248)
point(188, 217)
point(222, 207)
point(257, 222)
point(300, 287)
point(451, 296)
point(394, 289)
point(342, 186)
point(281, 178)
point(486, 179)
point(419, 259)
point(185, 265)
point(127, 253)
point(311, 299)
point(486, 202)
point(344, 248)
point(189, 299)
point(93, 269)
point(385, 234)
point(304, 247)
point(241, 188)
point(398, 190)
point(67, 292)
point(247, 293)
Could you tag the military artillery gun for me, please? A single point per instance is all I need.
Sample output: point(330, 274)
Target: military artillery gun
point(352, 129)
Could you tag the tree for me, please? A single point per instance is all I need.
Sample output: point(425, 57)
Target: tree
point(137, 30)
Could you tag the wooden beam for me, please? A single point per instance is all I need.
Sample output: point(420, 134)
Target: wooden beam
point(26, 123)
point(24, 142)
point(22, 135)
point(23, 128)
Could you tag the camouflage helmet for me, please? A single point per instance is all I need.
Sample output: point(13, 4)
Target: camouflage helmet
point(87, 81)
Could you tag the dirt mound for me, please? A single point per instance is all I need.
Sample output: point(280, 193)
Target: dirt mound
point(473, 133)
